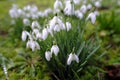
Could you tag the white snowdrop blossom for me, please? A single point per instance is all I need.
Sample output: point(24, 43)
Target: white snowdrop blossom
point(26, 22)
point(33, 45)
point(89, 6)
point(69, 8)
point(24, 35)
point(35, 32)
point(48, 55)
point(39, 35)
point(35, 24)
point(79, 14)
point(56, 24)
point(55, 49)
point(5, 69)
point(76, 1)
point(72, 57)
point(13, 12)
point(34, 9)
point(92, 17)
point(44, 33)
point(97, 4)
point(58, 6)
point(27, 8)
point(96, 13)
point(47, 12)
point(83, 9)
point(68, 26)
point(50, 31)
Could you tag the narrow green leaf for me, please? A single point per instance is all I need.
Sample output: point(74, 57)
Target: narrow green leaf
point(92, 52)
point(81, 48)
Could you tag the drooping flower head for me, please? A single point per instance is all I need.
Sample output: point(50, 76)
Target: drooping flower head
point(58, 6)
point(55, 49)
point(33, 45)
point(72, 57)
point(69, 8)
point(48, 55)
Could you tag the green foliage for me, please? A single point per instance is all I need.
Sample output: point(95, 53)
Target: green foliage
point(109, 20)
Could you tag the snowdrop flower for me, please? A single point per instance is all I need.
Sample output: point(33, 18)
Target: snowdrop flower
point(34, 9)
point(97, 4)
point(26, 22)
point(55, 50)
point(20, 12)
point(58, 6)
point(50, 31)
point(24, 35)
point(76, 1)
point(68, 26)
point(92, 17)
point(57, 28)
point(89, 6)
point(35, 24)
point(39, 35)
point(33, 45)
point(48, 55)
point(13, 12)
point(44, 33)
point(35, 32)
point(53, 22)
point(47, 12)
point(69, 8)
point(72, 57)
point(79, 14)
point(34, 16)
point(56, 24)
point(27, 8)
point(96, 13)
point(83, 9)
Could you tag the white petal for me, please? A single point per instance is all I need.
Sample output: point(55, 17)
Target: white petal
point(24, 36)
point(48, 55)
point(37, 45)
point(58, 5)
point(76, 1)
point(32, 45)
point(44, 34)
point(97, 4)
point(55, 50)
point(28, 44)
point(93, 19)
point(69, 8)
point(35, 24)
point(70, 59)
point(39, 36)
point(68, 26)
point(89, 6)
point(76, 58)
point(26, 22)
point(83, 9)
point(57, 28)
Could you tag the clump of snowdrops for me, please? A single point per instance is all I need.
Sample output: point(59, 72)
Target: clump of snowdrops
point(58, 35)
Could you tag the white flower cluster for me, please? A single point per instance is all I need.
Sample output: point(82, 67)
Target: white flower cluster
point(54, 50)
point(56, 24)
point(27, 12)
point(70, 10)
